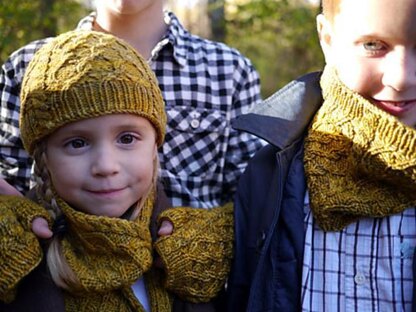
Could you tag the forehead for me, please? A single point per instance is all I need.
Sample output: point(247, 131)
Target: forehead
point(386, 18)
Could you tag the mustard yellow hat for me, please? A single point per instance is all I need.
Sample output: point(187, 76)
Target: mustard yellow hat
point(84, 74)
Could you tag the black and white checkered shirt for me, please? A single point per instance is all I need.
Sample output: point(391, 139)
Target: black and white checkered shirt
point(205, 84)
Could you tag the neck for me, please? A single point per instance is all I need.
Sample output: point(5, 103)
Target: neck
point(142, 30)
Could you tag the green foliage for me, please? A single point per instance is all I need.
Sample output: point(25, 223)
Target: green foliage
point(280, 38)
point(22, 21)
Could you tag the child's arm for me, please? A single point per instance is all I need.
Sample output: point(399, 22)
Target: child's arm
point(198, 254)
point(20, 251)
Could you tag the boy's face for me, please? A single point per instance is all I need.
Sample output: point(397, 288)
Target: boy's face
point(372, 43)
point(128, 7)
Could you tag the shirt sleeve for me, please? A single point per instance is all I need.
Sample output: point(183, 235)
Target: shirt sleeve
point(241, 145)
point(15, 163)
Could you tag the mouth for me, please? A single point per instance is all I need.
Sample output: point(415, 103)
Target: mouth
point(106, 192)
point(395, 108)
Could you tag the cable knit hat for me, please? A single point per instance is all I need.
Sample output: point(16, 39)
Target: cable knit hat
point(86, 74)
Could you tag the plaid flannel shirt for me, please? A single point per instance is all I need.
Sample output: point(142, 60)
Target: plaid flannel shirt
point(205, 85)
point(368, 266)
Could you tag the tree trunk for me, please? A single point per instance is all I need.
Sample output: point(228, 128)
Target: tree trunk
point(217, 19)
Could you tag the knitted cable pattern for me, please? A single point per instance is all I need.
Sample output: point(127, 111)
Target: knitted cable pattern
point(20, 251)
point(108, 255)
point(359, 160)
point(105, 253)
point(197, 256)
point(85, 74)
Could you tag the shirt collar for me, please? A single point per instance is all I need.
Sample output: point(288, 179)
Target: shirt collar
point(176, 36)
point(87, 22)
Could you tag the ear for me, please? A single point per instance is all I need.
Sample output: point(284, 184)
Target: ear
point(324, 28)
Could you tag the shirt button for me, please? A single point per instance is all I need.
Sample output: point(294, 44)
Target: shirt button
point(359, 279)
point(194, 123)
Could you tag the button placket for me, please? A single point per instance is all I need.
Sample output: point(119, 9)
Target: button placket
point(360, 278)
point(195, 123)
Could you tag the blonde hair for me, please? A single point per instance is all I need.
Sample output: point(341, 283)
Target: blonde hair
point(330, 8)
point(61, 273)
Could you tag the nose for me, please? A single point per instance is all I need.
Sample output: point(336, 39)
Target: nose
point(104, 162)
point(400, 70)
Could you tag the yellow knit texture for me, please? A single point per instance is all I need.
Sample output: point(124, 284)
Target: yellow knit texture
point(20, 251)
point(108, 255)
point(84, 74)
point(359, 160)
point(197, 256)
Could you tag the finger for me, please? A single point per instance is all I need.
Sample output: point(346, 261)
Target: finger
point(41, 229)
point(7, 189)
point(166, 228)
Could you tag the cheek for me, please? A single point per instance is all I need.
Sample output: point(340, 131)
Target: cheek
point(63, 177)
point(143, 169)
point(357, 77)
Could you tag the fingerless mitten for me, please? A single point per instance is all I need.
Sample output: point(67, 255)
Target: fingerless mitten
point(20, 251)
point(197, 255)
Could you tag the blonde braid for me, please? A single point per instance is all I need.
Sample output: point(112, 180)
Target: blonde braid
point(152, 189)
point(44, 192)
point(61, 273)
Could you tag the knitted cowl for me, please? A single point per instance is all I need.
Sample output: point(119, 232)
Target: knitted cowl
point(359, 160)
point(108, 255)
point(197, 256)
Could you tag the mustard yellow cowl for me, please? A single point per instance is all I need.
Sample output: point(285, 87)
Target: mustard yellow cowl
point(359, 160)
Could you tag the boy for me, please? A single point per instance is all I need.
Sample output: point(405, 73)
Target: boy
point(325, 217)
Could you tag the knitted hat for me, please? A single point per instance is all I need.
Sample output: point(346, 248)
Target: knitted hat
point(86, 74)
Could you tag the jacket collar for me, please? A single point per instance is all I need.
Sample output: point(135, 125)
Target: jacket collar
point(284, 116)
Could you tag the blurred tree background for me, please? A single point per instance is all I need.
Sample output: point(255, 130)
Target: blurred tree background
point(22, 21)
point(279, 36)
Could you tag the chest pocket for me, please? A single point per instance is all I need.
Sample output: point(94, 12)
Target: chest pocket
point(195, 141)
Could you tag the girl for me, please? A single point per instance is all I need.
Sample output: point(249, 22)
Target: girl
point(92, 117)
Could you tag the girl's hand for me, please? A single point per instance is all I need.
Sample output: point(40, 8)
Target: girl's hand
point(166, 228)
point(41, 229)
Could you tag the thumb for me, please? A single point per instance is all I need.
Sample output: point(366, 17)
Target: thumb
point(41, 229)
point(166, 228)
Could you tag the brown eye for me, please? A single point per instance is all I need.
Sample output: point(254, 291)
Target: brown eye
point(76, 143)
point(127, 139)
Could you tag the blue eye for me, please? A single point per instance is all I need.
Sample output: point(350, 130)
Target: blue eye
point(373, 46)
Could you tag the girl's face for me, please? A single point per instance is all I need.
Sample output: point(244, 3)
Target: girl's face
point(102, 165)
point(372, 44)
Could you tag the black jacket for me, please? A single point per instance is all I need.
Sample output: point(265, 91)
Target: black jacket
point(267, 268)
point(269, 219)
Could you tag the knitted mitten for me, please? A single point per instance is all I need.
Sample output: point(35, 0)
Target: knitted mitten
point(197, 256)
point(20, 251)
